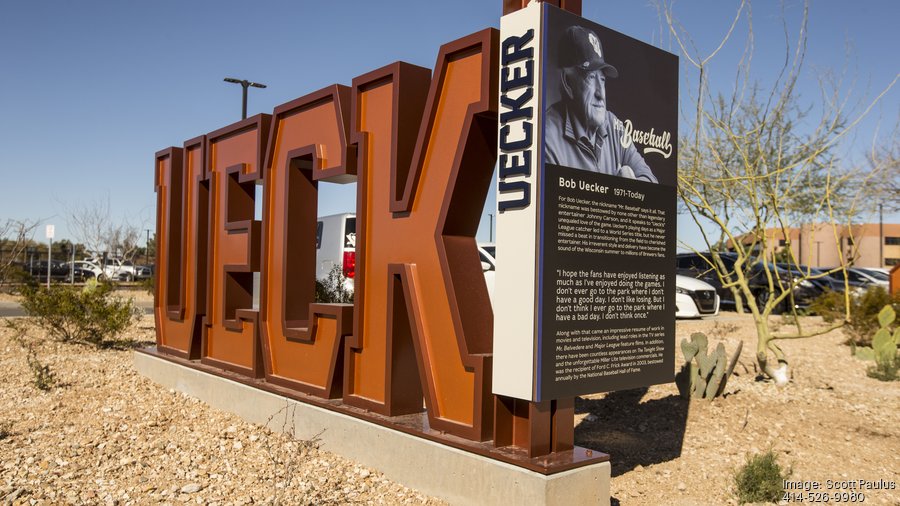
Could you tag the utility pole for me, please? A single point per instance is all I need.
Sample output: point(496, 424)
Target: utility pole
point(244, 84)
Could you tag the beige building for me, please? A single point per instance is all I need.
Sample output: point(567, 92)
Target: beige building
point(865, 245)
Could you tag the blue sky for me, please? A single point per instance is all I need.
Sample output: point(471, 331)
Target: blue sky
point(91, 90)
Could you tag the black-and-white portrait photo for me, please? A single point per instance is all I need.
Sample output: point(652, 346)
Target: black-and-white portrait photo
point(579, 130)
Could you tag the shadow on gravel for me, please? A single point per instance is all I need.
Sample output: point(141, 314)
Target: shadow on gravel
point(124, 344)
point(631, 432)
point(115, 344)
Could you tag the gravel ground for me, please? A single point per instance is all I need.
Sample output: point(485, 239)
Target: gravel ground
point(105, 435)
point(831, 423)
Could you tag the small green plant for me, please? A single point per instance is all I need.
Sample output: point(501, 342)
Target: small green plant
point(760, 479)
point(334, 288)
point(884, 348)
point(864, 309)
point(704, 376)
point(884, 371)
point(42, 377)
point(91, 314)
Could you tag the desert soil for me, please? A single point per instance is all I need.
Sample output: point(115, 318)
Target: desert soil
point(106, 435)
point(832, 422)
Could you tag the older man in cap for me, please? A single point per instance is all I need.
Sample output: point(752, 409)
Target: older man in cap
point(579, 130)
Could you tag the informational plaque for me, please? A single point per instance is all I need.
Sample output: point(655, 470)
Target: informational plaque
point(585, 287)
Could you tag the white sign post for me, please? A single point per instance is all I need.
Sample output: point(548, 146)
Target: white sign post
point(51, 231)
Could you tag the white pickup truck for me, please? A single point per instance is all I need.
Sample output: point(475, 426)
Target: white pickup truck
point(117, 269)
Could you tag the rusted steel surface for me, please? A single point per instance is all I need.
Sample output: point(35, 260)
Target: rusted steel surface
point(181, 234)
point(234, 157)
point(540, 428)
point(416, 250)
point(302, 343)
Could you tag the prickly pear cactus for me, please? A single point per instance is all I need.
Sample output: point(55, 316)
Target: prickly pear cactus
point(884, 342)
point(703, 375)
point(864, 353)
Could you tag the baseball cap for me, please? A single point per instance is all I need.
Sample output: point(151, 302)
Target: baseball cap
point(580, 47)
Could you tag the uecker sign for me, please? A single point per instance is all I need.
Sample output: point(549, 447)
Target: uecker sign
point(419, 338)
point(584, 298)
point(421, 325)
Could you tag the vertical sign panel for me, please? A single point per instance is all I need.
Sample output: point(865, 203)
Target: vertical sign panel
point(515, 316)
point(604, 206)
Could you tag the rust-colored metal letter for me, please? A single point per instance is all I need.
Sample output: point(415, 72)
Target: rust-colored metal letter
point(302, 341)
point(230, 330)
point(423, 316)
point(182, 199)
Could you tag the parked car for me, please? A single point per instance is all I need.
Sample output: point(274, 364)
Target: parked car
point(89, 269)
point(821, 278)
point(697, 265)
point(114, 268)
point(881, 276)
point(694, 298)
point(59, 271)
point(81, 274)
point(859, 278)
point(143, 271)
point(876, 270)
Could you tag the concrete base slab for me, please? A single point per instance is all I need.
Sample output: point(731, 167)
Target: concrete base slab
point(448, 473)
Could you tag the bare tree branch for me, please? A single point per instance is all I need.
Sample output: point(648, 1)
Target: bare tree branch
point(93, 225)
point(758, 162)
point(14, 238)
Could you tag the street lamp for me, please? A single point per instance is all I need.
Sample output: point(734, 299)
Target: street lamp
point(244, 84)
